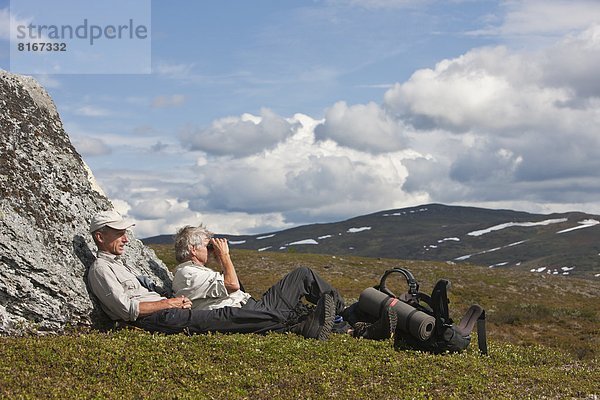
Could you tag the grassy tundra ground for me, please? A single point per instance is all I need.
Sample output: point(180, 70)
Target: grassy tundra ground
point(543, 333)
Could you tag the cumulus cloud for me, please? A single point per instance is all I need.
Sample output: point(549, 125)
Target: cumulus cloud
point(364, 127)
point(150, 209)
point(150, 202)
point(504, 92)
point(514, 124)
point(302, 179)
point(492, 127)
point(239, 136)
point(490, 88)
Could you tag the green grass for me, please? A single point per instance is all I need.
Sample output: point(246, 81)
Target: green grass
point(543, 334)
point(133, 364)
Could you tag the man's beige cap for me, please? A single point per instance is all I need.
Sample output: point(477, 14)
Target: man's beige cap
point(111, 219)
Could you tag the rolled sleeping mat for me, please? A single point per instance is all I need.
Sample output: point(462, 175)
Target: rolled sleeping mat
point(417, 323)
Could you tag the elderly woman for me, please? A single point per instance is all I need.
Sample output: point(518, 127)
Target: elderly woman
point(209, 289)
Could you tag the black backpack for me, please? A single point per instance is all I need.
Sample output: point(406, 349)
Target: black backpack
point(424, 322)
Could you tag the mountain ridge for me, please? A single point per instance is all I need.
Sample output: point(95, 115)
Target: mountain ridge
point(558, 243)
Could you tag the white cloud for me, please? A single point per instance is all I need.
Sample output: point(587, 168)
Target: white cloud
point(239, 136)
point(156, 212)
point(573, 63)
point(366, 127)
point(500, 125)
point(174, 100)
point(489, 88)
point(151, 209)
point(302, 179)
point(299, 180)
point(121, 206)
point(494, 127)
point(529, 17)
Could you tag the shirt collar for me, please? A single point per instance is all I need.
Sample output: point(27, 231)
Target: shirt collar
point(106, 254)
point(189, 264)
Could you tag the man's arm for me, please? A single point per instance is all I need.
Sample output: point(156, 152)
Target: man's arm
point(114, 298)
point(221, 249)
point(149, 307)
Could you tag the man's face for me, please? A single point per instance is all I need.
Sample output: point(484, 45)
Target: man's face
point(113, 240)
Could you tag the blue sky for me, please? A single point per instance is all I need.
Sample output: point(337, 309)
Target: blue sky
point(262, 115)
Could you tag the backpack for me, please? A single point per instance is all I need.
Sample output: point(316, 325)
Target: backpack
point(423, 321)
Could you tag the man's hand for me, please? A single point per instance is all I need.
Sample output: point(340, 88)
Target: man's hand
point(178, 302)
point(149, 307)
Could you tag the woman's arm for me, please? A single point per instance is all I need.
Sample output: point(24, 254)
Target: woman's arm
point(221, 249)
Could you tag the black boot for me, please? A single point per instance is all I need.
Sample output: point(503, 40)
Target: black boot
point(319, 323)
point(382, 329)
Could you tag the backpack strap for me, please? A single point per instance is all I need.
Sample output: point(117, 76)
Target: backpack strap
point(439, 304)
point(475, 314)
point(413, 285)
point(481, 334)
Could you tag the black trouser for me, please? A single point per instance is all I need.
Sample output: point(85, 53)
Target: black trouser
point(285, 295)
point(226, 320)
point(271, 313)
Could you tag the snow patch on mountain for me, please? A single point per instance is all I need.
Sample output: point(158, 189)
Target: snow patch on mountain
point(466, 257)
point(401, 213)
point(553, 271)
point(451, 239)
point(586, 223)
point(512, 224)
point(355, 230)
point(305, 241)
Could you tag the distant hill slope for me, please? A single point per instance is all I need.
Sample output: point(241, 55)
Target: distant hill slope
point(559, 244)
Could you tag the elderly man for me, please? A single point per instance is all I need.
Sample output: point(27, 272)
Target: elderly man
point(124, 298)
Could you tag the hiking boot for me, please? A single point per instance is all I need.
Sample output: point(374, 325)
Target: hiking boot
point(382, 329)
point(319, 323)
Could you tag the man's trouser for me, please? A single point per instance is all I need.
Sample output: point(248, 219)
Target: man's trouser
point(271, 313)
point(226, 320)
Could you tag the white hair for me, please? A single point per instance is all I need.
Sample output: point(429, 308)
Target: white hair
point(188, 237)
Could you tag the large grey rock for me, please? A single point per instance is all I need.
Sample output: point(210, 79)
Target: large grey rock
point(47, 198)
